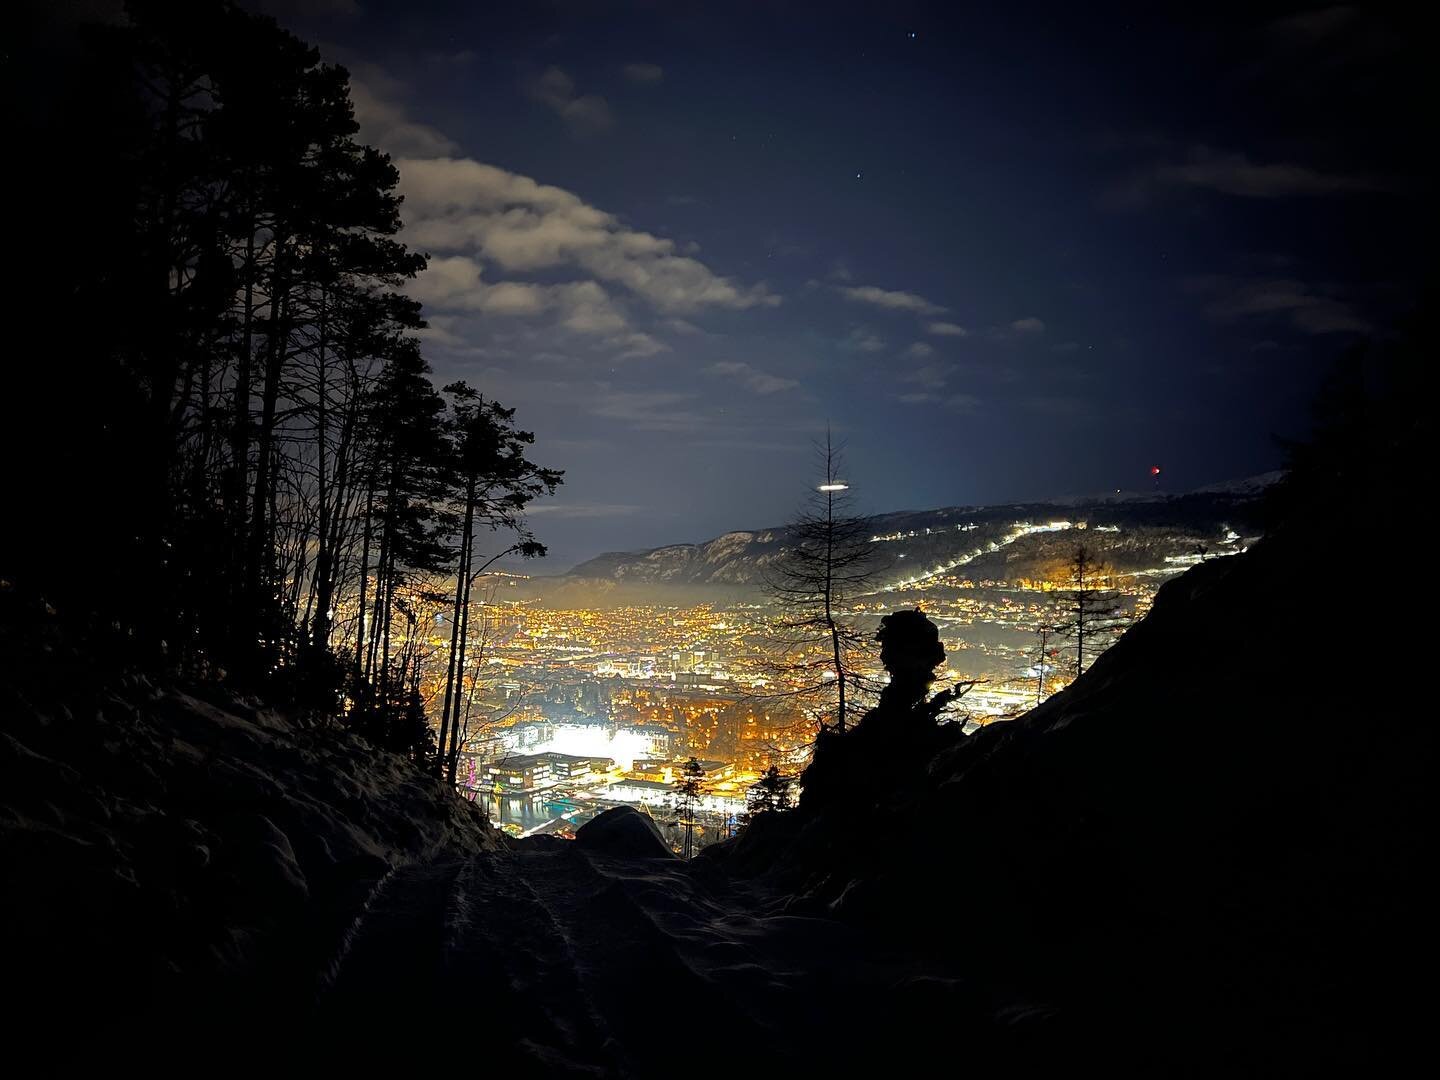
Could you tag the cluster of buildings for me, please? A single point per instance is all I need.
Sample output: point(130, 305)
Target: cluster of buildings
point(579, 709)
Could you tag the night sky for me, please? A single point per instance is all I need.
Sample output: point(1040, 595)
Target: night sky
point(1012, 252)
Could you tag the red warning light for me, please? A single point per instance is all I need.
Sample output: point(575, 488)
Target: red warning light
point(1154, 470)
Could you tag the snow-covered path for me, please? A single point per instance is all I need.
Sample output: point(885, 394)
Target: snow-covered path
point(557, 960)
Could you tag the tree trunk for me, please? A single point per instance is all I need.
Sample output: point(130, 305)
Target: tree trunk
point(462, 577)
point(259, 567)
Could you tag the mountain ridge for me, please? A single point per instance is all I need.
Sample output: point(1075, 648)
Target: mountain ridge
point(947, 539)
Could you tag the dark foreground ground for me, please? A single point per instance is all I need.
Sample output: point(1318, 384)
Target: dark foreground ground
point(1206, 856)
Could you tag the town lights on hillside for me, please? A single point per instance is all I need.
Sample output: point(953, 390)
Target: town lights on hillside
point(833, 487)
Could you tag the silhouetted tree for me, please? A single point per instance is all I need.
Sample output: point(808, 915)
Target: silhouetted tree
point(828, 561)
point(1093, 610)
point(688, 789)
point(770, 792)
point(270, 480)
point(495, 482)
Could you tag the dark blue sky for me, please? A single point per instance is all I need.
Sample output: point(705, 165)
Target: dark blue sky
point(1017, 251)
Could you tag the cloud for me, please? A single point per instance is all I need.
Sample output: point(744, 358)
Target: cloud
point(920, 350)
point(453, 283)
point(889, 299)
point(947, 329)
point(754, 380)
point(1309, 308)
point(586, 115)
point(385, 125)
point(525, 272)
point(587, 510)
point(644, 74)
point(648, 410)
point(931, 376)
point(1236, 174)
point(521, 226)
point(637, 346)
point(862, 340)
point(1026, 329)
point(966, 404)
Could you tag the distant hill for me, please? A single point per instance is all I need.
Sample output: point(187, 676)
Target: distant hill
point(1132, 532)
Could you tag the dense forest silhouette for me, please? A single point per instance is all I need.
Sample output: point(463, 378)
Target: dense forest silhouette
point(239, 464)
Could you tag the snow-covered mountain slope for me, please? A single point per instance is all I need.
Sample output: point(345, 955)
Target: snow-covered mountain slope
point(1132, 533)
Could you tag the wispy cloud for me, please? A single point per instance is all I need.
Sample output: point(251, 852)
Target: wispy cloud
point(890, 299)
point(947, 329)
point(964, 404)
point(753, 379)
point(1309, 308)
point(648, 410)
point(586, 115)
point(385, 124)
point(1236, 174)
point(586, 510)
point(931, 376)
point(861, 340)
point(967, 404)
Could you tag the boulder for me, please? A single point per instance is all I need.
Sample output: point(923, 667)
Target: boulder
point(624, 831)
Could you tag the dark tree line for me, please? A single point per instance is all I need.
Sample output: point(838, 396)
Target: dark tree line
point(232, 460)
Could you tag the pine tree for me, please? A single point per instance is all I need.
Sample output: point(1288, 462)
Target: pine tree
point(771, 792)
point(494, 482)
point(271, 481)
point(688, 789)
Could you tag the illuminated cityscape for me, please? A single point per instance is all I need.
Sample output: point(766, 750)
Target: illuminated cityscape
point(572, 710)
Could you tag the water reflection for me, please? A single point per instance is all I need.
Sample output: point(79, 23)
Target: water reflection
point(522, 811)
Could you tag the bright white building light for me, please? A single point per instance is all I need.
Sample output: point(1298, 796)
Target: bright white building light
point(834, 487)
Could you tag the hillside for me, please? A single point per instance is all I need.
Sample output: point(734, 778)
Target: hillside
point(977, 543)
point(173, 854)
point(1197, 856)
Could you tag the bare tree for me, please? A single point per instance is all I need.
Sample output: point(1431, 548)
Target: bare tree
point(1094, 610)
point(828, 561)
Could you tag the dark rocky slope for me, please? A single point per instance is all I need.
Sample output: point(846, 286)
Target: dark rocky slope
point(175, 861)
point(1209, 849)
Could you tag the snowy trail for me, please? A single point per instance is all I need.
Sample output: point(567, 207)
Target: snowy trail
point(565, 962)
